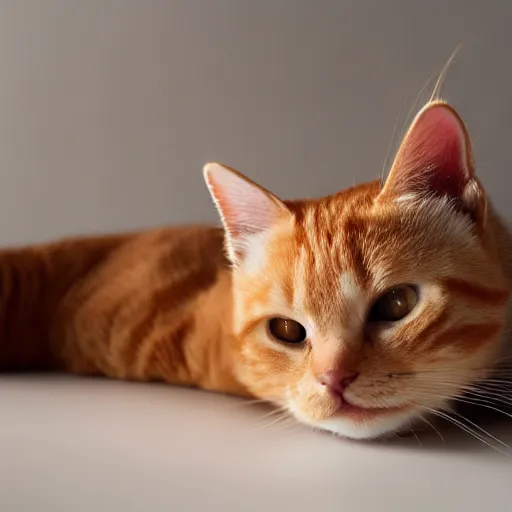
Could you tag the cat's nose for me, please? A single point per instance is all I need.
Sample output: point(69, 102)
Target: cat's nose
point(337, 381)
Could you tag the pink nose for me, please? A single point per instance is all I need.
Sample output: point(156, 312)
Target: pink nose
point(338, 380)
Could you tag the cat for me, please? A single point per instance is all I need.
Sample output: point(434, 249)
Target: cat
point(360, 313)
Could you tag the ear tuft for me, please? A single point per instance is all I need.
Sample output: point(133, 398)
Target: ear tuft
point(246, 209)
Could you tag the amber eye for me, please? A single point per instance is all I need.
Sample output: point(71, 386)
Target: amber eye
point(395, 304)
point(286, 330)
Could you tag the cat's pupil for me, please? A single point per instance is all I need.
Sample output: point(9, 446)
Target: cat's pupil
point(286, 330)
point(395, 304)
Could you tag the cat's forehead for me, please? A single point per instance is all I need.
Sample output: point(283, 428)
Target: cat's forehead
point(333, 235)
point(330, 270)
point(340, 252)
point(346, 248)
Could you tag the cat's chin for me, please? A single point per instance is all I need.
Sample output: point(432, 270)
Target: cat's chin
point(347, 419)
point(362, 424)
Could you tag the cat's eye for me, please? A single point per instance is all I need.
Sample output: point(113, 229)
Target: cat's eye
point(394, 304)
point(286, 330)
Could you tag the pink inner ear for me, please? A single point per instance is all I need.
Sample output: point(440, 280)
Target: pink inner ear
point(433, 156)
point(246, 208)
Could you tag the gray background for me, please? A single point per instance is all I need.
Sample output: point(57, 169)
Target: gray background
point(109, 108)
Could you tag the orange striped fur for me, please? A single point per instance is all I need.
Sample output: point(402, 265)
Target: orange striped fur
point(170, 305)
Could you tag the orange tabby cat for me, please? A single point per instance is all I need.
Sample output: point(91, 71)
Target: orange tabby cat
point(359, 312)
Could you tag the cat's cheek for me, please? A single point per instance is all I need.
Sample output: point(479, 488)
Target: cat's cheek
point(309, 401)
point(265, 370)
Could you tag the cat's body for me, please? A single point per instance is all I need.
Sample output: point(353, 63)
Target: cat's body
point(154, 305)
point(358, 313)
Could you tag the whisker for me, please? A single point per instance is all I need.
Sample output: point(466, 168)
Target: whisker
point(391, 142)
point(434, 96)
point(481, 429)
point(417, 438)
point(441, 78)
point(441, 369)
point(291, 423)
point(480, 395)
point(496, 392)
point(272, 413)
point(471, 402)
point(504, 382)
point(247, 403)
point(502, 364)
point(282, 417)
point(483, 402)
point(418, 97)
point(494, 378)
point(494, 397)
point(492, 390)
point(455, 422)
point(504, 393)
point(491, 384)
point(434, 428)
point(474, 400)
point(466, 429)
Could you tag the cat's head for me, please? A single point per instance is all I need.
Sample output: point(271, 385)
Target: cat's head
point(364, 311)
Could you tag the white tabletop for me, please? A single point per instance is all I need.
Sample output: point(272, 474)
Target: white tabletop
point(71, 444)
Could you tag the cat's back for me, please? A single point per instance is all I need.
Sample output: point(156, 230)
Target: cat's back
point(170, 253)
point(146, 298)
point(188, 257)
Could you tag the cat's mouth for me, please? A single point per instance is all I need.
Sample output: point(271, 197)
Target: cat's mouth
point(349, 409)
point(352, 419)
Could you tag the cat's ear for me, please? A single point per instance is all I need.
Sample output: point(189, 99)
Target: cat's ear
point(435, 160)
point(246, 209)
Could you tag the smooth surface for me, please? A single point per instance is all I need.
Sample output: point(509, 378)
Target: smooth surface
point(82, 445)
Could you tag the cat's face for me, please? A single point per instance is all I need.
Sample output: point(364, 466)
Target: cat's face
point(364, 311)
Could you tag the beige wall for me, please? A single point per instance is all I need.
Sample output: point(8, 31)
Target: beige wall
point(109, 108)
